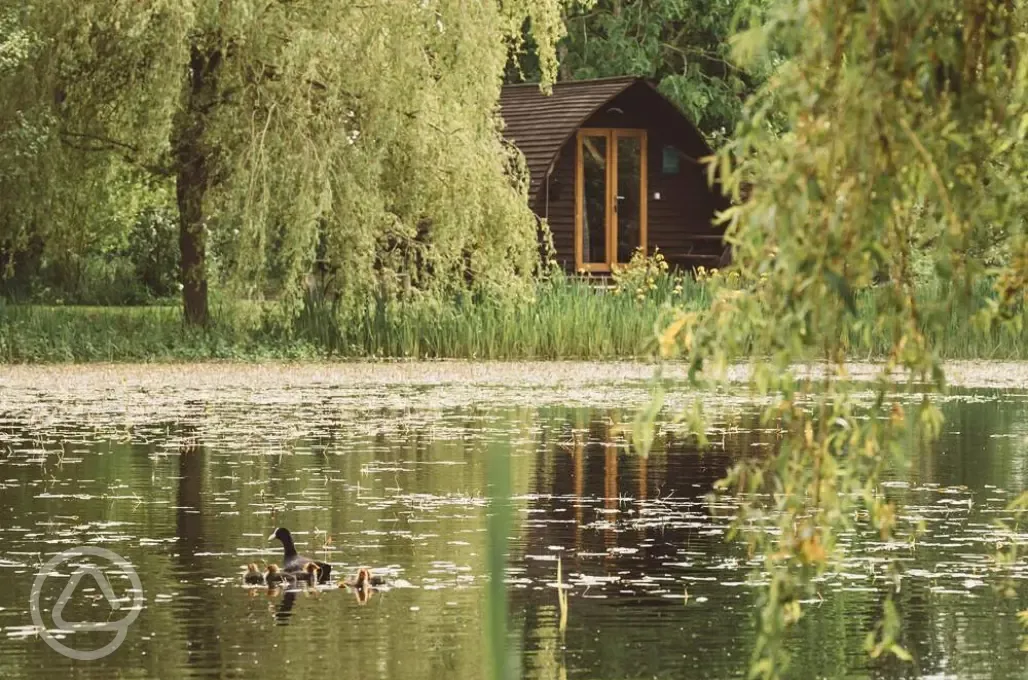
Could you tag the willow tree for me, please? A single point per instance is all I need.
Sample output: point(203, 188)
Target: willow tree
point(366, 129)
point(906, 136)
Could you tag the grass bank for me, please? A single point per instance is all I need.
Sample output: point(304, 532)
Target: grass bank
point(565, 319)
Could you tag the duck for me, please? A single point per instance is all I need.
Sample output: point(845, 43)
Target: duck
point(275, 577)
point(294, 562)
point(253, 576)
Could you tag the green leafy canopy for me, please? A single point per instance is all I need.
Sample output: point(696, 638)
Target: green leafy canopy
point(905, 133)
point(364, 134)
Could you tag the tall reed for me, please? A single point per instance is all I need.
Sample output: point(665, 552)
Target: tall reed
point(563, 318)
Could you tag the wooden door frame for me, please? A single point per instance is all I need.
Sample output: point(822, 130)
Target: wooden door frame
point(611, 226)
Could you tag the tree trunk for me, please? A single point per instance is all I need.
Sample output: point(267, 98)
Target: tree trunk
point(192, 180)
point(192, 239)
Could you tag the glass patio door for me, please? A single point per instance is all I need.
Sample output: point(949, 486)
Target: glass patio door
point(610, 202)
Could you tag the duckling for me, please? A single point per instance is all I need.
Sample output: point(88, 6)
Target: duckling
point(275, 577)
point(369, 580)
point(309, 575)
point(364, 580)
point(361, 585)
point(357, 581)
point(253, 577)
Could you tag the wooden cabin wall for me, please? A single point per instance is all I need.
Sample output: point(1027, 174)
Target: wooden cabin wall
point(684, 212)
point(686, 205)
point(560, 211)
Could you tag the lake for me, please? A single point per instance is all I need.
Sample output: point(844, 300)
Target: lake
point(184, 471)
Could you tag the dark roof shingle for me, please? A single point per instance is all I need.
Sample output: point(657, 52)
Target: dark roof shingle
point(539, 124)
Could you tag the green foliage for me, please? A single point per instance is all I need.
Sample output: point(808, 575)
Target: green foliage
point(682, 44)
point(640, 275)
point(154, 252)
point(369, 129)
point(906, 123)
point(135, 263)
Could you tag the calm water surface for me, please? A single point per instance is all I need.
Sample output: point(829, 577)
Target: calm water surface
point(187, 482)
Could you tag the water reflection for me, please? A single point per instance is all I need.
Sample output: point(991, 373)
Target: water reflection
point(188, 489)
point(285, 607)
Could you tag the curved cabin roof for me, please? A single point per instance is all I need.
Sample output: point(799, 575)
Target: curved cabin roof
point(540, 125)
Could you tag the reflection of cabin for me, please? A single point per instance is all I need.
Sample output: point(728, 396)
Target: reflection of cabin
point(614, 166)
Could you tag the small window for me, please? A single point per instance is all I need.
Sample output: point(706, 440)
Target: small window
point(669, 161)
